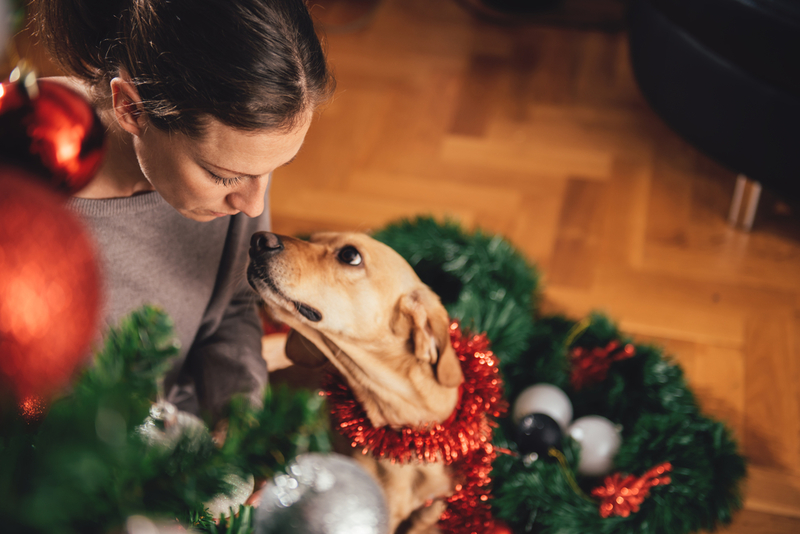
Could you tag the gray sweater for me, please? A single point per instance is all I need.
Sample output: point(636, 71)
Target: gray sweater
point(195, 271)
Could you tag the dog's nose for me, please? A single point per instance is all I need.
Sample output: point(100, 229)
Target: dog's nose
point(265, 243)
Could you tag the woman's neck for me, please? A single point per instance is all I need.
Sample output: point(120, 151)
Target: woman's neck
point(120, 174)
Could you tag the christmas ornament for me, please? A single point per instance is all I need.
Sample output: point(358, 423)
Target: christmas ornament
point(590, 366)
point(538, 433)
point(544, 399)
point(49, 288)
point(240, 490)
point(322, 494)
point(463, 441)
point(500, 528)
point(623, 496)
point(167, 425)
point(51, 130)
point(32, 409)
point(599, 442)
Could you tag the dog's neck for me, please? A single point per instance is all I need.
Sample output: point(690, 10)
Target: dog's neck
point(398, 391)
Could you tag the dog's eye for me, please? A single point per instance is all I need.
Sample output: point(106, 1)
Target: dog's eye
point(350, 255)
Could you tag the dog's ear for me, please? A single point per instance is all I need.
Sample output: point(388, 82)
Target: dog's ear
point(421, 315)
point(303, 352)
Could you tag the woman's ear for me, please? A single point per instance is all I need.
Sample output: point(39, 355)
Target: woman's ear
point(127, 104)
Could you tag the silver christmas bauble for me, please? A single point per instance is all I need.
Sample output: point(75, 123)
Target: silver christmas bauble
point(546, 399)
point(322, 494)
point(599, 442)
point(166, 426)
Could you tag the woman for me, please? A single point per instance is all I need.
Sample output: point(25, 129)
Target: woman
point(203, 101)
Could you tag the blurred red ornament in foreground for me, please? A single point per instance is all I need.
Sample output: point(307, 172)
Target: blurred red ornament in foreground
point(49, 288)
point(52, 131)
point(500, 528)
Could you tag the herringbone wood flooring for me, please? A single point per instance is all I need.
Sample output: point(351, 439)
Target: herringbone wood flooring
point(540, 134)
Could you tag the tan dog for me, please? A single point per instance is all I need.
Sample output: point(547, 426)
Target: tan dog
point(359, 304)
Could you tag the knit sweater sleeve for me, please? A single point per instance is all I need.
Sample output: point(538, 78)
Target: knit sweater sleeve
point(225, 358)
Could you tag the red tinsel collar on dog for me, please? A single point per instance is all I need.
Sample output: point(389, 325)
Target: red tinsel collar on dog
point(465, 439)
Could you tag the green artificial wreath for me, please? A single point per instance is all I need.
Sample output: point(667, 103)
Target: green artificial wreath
point(490, 287)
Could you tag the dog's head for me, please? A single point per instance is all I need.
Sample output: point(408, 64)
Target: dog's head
point(361, 305)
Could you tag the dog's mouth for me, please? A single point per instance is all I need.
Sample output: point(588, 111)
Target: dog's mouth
point(265, 286)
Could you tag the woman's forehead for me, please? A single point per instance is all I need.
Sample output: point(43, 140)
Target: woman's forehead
point(248, 152)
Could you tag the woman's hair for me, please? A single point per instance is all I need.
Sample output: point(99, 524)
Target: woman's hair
point(251, 64)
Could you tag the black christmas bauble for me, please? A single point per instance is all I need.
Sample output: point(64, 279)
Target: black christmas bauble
point(538, 433)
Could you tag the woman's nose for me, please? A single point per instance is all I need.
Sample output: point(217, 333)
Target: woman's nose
point(250, 199)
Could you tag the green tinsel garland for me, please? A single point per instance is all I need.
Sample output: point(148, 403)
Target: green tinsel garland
point(486, 284)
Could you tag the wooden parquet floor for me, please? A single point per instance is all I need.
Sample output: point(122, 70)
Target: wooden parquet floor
point(540, 134)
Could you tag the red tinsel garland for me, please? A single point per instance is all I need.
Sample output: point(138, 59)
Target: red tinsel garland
point(464, 440)
point(623, 496)
point(591, 366)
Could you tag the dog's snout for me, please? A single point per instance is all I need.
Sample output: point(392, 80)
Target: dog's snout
point(265, 243)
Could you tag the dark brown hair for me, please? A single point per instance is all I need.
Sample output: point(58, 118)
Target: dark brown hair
point(251, 64)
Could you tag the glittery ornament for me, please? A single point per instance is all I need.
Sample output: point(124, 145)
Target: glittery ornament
point(32, 409)
point(591, 366)
point(49, 288)
point(623, 496)
point(463, 441)
point(50, 130)
point(166, 426)
point(322, 494)
point(538, 433)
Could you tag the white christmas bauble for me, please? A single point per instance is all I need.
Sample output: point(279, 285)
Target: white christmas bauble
point(546, 399)
point(599, 442)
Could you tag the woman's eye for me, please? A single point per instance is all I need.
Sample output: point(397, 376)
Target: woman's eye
point(350, 255)
point(226, 182)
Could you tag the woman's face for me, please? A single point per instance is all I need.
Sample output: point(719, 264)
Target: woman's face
point(223, 173)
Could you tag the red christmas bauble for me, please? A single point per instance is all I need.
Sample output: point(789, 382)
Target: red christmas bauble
point(53, 132)
point(500, 528)
point(49, 288)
